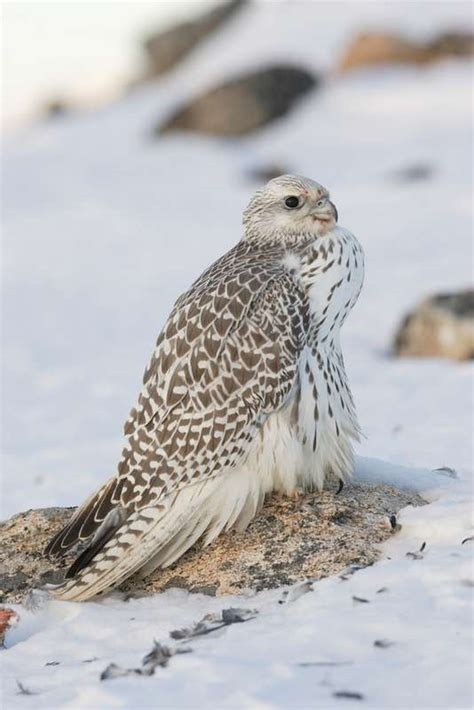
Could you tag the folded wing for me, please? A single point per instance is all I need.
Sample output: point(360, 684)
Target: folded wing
point(226, 359)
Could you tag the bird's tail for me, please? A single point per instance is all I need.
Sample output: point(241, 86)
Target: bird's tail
point(87, 519)
point(157, 536)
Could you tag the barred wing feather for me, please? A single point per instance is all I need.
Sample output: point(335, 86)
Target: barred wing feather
point(226, 359)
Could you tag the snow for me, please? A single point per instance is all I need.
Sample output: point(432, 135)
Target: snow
point(103, 228)
point(99, 46)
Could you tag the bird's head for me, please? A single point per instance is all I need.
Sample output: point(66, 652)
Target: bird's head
point(290, 205)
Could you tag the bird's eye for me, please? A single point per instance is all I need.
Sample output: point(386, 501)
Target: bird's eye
point(292, 201)
point(320, 203)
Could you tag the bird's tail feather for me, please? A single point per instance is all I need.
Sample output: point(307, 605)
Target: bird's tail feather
point(158, 536)
point(86, 520)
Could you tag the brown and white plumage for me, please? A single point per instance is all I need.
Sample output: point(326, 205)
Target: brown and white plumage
point(245, 393)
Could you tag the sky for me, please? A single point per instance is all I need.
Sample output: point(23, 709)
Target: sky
point(78, 49)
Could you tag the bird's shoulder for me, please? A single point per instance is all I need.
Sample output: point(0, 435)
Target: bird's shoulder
point(242, 271)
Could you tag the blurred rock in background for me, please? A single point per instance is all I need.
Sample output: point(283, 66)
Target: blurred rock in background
point(165, 49)
point(56, 107)
point(417, 172)
point(244, 104)
point(374, 48)
point(263, 173)
point(441, 326)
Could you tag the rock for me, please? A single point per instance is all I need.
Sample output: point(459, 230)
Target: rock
point(440, 326)
point(165, 49)
point(243, 104)
point(452, 44)
point(374, 48)
point(417, 172)
point(22, 540)
point(56, 108)
point(292, 539)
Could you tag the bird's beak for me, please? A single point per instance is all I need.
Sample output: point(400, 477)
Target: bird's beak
point(326, 213)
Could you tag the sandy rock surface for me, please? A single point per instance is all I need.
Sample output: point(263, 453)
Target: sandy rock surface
point(312, 536)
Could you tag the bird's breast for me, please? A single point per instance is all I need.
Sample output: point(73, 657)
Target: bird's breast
point(332, 272)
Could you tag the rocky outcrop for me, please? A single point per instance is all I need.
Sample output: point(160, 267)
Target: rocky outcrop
point(165, 49)
point(373, 48)
point(244, 104)
point(440, 326)
point(292, 539)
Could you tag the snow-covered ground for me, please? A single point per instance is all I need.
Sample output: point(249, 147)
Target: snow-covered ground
point(103, 228)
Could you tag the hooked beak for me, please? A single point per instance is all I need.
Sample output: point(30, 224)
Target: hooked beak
point(326, 213)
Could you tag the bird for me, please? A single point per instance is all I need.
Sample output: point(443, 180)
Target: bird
point(245, 393)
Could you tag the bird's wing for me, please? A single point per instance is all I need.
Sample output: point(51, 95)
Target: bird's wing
point(227, 358)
